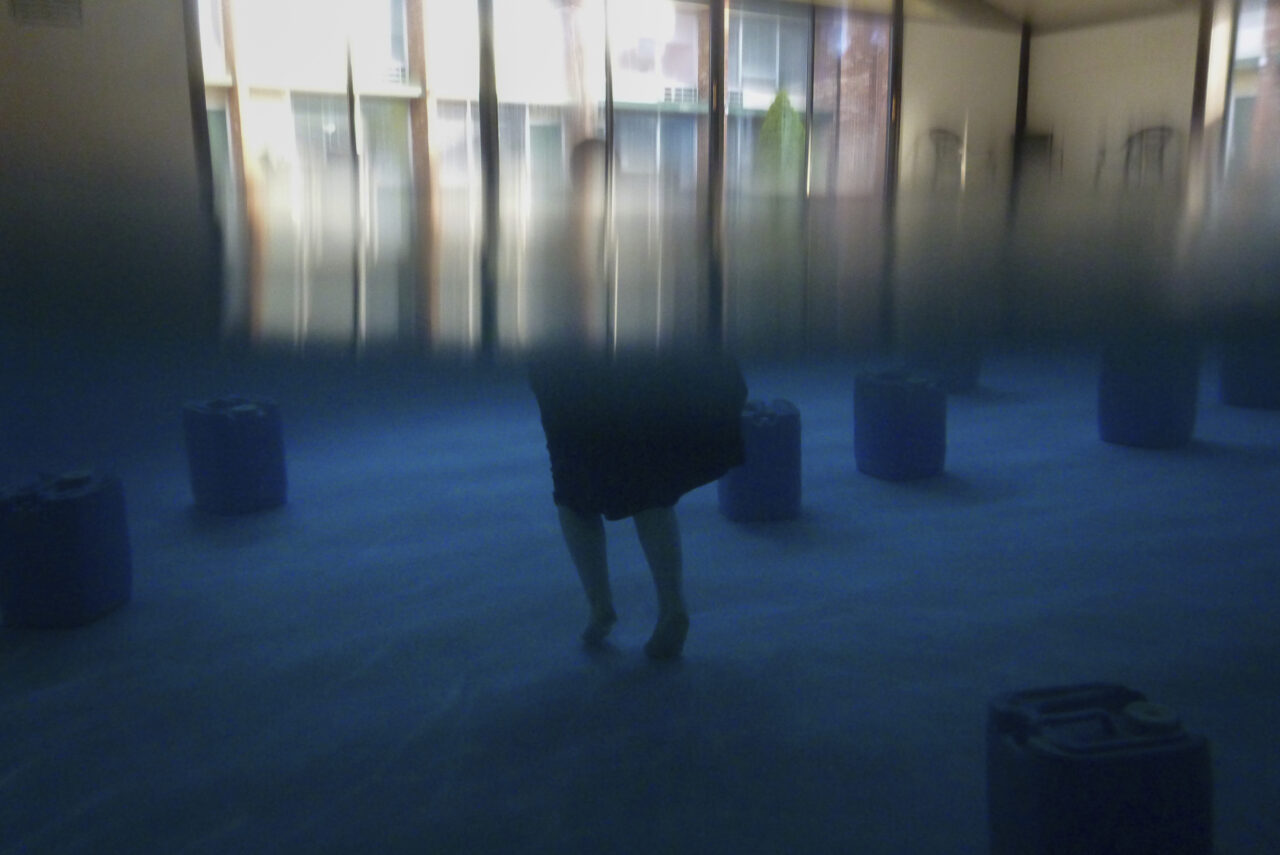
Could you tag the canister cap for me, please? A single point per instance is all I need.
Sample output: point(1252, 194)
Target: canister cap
point(74, 480)
point(1148, 717)
point(232, 405)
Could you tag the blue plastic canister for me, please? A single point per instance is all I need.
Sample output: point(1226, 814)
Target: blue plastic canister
point(1147, 392)
point(1250, 370)
point(235, 453)
point(65, 558)
point(900, 425)
point(767, 486)
point(1095, 769)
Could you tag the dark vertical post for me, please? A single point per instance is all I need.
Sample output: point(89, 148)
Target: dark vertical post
point(425, 240)
point(893, 138)
point(204, 164)
point(1007, 297)
point(893, 142)
point(489, 184)
point(808, 111)
point(715, 176)
point(611, 261)
point(807, 176)
point(1223, 154)
point(199, 115)
point(834, 159)
point(248, 182)
point(1201, 172)
point(1020, 119)
point(359, 301)
point(1200, 88)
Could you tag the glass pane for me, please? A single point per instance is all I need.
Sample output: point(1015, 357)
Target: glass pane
point(765, 170)
point(378, 41)
point(456, 132)
point(388, 220)
point(1255, 90)
point(452, 48)
point(846, 234)
point(452, 44)
point(793, 58)
point(850, 104)
point(292, 43)
point(213, 51)
point(680, 51)
point(733, 73)
point(328, 255)
point(550, 77)
point(759, 54)
point(802, 249)
point(227, 207)
point(326, 218)
point(659, 275)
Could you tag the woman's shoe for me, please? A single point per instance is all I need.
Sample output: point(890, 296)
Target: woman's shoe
point(667, 640)
point(598, 630)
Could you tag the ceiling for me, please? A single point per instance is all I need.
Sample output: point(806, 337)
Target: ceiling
point(1042, 15)
point(1061, 14)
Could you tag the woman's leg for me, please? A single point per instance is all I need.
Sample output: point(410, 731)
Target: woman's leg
point(584, 535)
point(659, 534)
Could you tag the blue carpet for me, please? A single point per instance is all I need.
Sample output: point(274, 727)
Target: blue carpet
point(390, 663)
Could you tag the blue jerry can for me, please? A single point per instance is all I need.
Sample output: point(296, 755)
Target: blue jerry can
point(235, 453)
point(899, 425)
point(1147, 392)
point(65, 558)
point(767, 485)
point(1095, 769)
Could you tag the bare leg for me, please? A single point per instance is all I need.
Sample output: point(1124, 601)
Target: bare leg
point(659, 534)
point(584, 535)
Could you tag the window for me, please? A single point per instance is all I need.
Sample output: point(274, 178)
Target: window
point(1254, 121)
point(767, 54)
point(213, 49)
point(311, 207)
point(319, 204)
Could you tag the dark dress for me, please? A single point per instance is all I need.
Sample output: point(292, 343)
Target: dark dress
point(635, 432)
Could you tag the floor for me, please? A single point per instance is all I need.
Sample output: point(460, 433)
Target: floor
point(390, 663)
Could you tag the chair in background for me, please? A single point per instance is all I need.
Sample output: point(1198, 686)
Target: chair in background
point(1144, 153)
point(948, 153)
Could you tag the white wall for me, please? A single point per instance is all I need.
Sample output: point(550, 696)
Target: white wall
point(958, 78)
point(101, 216)
point(1092, 87)
point(948, 230)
